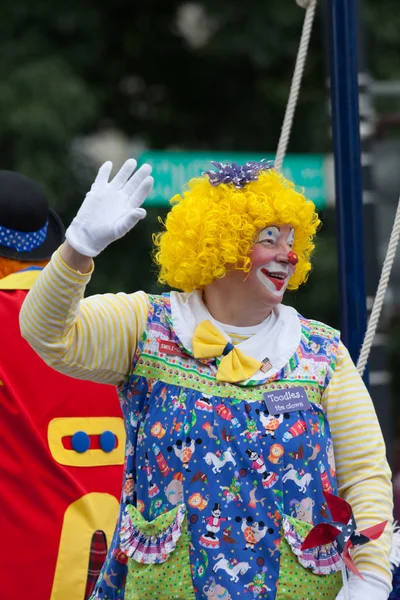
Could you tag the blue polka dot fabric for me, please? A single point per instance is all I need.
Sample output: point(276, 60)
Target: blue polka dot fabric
point(22, 241)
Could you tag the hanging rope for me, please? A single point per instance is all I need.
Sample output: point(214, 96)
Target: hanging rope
point(310, 6)
point(380, 294)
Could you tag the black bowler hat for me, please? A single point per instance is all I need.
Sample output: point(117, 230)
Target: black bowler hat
point(29, 229)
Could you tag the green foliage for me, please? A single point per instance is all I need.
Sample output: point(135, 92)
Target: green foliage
point(71, 69)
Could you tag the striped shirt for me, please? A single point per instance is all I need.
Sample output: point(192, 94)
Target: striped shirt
point(95, 338)
point(241, 334)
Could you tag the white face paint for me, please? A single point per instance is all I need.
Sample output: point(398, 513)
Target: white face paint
point(275, 277)
point(272, 274)
point(268, 236)
point(290, 239)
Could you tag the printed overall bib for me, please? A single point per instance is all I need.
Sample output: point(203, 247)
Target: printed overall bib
point(219, 492)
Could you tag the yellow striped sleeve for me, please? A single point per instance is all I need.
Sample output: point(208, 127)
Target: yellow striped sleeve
point(93, 338)
point(237, 338)
point(363, 474)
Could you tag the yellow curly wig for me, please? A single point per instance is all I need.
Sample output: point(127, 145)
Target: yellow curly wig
point(211, 229)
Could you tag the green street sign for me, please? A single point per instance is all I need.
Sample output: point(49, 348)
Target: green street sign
point(172, 170)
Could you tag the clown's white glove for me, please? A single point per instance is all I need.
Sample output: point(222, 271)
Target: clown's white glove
point(110, 209)
point(372, 587)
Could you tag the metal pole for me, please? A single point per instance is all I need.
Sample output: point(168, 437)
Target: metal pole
point(342, 35)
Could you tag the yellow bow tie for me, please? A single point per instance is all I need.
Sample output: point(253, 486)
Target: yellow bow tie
point(208, 342)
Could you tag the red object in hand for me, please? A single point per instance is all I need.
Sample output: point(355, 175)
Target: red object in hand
point(342, 530)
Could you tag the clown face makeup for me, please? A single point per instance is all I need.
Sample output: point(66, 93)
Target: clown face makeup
point(270, 235)
point(273, 259)
point(247, 299)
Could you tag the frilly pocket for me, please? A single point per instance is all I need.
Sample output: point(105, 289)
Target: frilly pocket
point(311, 574)
point(322, 560)
point(158, 561)
point(150, 542)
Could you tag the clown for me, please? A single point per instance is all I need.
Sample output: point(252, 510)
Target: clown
point(258, 586)
point(235, 240)
point(232, 493)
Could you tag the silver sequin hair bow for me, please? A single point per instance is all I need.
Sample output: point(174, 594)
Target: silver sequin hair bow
point(238, 175)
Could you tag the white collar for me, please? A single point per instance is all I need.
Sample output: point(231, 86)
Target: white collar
point(278, 340)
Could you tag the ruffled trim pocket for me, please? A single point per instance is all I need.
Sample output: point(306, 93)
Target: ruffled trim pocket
point(150, 542)
point(322, 560)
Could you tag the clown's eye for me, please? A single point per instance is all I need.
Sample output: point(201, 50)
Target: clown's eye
point(267, 241)
point(268, 236)
point(290, 239)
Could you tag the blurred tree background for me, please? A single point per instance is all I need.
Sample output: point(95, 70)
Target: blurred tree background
point(188, 75)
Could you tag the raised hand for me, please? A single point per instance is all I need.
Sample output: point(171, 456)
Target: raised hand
point(111, 208)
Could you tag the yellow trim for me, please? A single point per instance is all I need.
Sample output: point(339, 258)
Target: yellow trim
point(21, 280)
point(66, 426)
point(82, 518)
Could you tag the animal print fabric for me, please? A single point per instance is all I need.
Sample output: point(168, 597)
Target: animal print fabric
point(237, 469)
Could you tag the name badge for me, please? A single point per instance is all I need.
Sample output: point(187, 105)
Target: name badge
point(287, 400)
point(171, 348)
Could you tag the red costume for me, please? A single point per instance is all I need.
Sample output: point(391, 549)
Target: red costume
point(53, 497)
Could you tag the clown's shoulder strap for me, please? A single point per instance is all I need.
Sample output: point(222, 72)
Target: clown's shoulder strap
point(93, 338)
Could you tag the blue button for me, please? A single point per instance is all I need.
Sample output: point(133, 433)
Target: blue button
point(108, 441)
point(80, 441)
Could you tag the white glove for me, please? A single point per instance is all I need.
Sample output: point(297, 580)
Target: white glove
point(372, 587)
point(110, 209)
